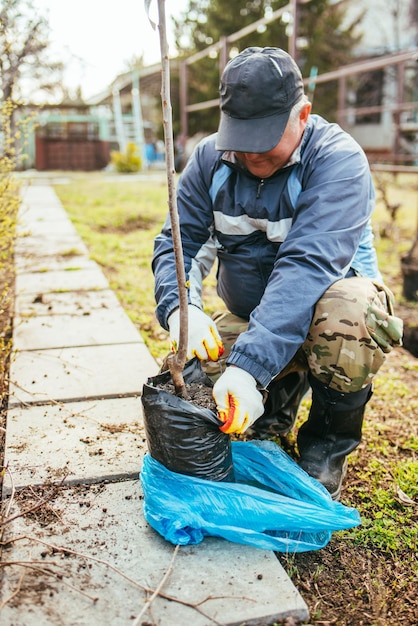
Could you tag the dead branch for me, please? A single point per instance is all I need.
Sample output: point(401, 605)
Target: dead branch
point(12, 495)
point(10, 382)
point(49, 508)
point(68, 551)
point(392, 208)
point(35, 507)
point(158, 590)
point(64, 550)
point(33, 565)
point(15, 592)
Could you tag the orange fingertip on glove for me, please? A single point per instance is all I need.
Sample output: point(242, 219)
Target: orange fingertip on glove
point(213, 349)
point(227, 417)
point(233, 423)
point(238, 400)
point(216, 350)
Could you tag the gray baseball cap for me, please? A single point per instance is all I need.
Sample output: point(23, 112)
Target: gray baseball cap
point(258, 89)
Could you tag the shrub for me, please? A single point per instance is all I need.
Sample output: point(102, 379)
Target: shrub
point(9, 205)
point(127, 162)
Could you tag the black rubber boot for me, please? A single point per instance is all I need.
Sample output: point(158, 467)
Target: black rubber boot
point(331, 432)
point(282, 404)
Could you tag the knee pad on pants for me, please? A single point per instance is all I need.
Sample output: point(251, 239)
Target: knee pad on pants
point(352, 330)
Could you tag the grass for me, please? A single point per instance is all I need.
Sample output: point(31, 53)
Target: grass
point(367, 570)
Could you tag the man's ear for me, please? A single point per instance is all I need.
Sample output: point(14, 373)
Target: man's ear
point(304, 114)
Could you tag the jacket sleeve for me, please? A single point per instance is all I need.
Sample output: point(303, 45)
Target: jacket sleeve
point(331, 214)
point(196, 226)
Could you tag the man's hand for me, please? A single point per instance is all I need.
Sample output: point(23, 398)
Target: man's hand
point(204, 340)
point(238, 400)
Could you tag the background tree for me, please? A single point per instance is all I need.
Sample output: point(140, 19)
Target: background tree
point(25, 65)
point(325, 38)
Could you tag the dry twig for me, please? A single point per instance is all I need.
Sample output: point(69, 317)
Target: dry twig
point(33, 565)
point(33, 508)
point(12, 495)
point(15, 592)
point(158, 590)
point(68, 551)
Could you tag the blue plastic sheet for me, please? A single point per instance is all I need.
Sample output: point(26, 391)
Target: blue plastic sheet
point(273, 505)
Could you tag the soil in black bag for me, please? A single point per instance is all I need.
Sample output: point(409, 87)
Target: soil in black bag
point(184, 435)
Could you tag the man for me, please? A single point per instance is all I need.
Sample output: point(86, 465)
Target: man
point(283, 199)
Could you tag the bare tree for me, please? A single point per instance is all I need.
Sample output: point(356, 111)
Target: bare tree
point(25, 64)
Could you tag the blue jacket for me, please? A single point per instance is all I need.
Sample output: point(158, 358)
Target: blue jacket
point(280, 242)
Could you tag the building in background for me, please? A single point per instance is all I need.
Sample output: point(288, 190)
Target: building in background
point(81, 135)
point(381, 105)
point(378, 106)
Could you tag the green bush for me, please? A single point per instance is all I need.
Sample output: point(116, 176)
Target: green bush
point(9, 206)
point(127, 162)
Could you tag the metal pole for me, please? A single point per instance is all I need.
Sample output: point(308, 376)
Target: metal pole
point(117, 112)
point(342, 98)
point(400, 69)
point(294, 33)
point(138, 121)
point(223, 54)
point(183, 101)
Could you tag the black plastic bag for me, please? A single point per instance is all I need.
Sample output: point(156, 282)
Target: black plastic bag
point(182, 436)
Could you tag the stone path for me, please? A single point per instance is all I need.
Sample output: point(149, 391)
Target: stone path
point(74, 445)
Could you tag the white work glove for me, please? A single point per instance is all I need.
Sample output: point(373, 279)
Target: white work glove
point(204, 341)
point(238, 400)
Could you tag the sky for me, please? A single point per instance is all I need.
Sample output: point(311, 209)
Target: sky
point(96, 38)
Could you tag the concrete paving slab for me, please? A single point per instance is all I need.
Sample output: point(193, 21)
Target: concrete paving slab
point(46, 228)
point(67, 303)
point(69, 245)
point(82, 441)
point(39, 195)
point(28, 264)
point(79, 373)
point(71, 280)
point(42, 213)
point(101, 326)
point(229, 584)
point(28, 214)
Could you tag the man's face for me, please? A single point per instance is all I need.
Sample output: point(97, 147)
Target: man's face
point(265, 164)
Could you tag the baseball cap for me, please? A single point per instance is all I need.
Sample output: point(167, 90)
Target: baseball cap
point(258, 89)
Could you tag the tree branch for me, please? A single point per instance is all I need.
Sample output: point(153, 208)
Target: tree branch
point(158, 590)
point(175, 362)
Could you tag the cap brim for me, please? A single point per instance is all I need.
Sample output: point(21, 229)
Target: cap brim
point(255, 135)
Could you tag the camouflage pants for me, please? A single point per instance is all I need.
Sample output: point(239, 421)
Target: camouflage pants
point(352, 330)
